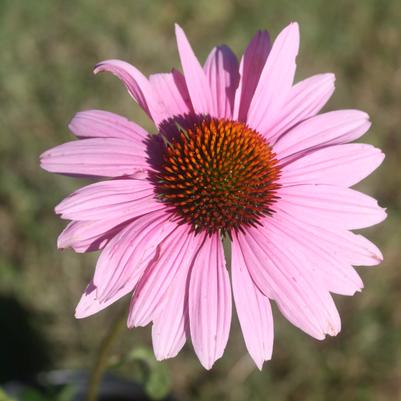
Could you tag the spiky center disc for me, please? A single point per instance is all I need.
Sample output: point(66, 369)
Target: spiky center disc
point(218, 176)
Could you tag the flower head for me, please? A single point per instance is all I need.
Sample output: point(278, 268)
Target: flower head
point(239, 151)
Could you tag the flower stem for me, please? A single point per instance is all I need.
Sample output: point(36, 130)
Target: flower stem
point(102, 357)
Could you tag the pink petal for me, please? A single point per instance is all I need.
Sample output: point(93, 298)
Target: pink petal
point(172, 88)
point(176, 254)
point(88, 236)
point(352, 249)
point(305, 100)
point(221, 70)
point(96, 157)
point(209, 302)
point(253, 308)
point(326, 205)
point(275, 80)
point(342, 165)
point(283, 275)
point(333, 128)
point(114, 199)
point(89, 304)
point(171, 323)
point(334, 270)
point(138, 87)
point(127, 255)
point(251, 66)
point(198, 86)
point(103, 124)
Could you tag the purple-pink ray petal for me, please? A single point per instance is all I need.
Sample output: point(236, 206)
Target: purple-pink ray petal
point(253, 309)
point(276, 79)
point(177, 252)
point(96, 157)
point(251, 66)
point(342, 165)
point(221, 69)
point(114, 199)
point(172, 87)
point(304, 100)
point(282, 274)
point(127, 255)
point(170, 326)
point(209, 302)
point(334, 270)
point(103, 124)
point(195, 77)
point(138, 87)
point(332, 128)
point(327, 205)
point(89, 304)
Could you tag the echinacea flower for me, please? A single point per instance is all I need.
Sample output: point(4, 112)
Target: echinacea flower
point(240, 154)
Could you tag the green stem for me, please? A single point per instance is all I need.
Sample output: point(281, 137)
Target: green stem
point(102, 357)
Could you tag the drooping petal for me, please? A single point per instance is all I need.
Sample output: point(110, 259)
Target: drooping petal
point(333, 128)
point(305, 100)
point(106, 200)
point(275, 80)
point(171, 324)
point(251, 66)
point(253, 309)
point(96, 157)
point(138, 87)
point(89, 305)
point(127, 255)
point(282, 275)
point(103, 124)
point(172, 87)
point(89, 236)
point(334, 270)
point(209, 302)
point(342, 165)
point(176, 254)
point(195, 77)
point(327, 205)
point(221, 70)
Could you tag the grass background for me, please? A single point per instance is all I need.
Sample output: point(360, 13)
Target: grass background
point(48, 49)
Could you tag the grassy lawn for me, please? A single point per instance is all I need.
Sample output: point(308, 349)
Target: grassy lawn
point(48, 49)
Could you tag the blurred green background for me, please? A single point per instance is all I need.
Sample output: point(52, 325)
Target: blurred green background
point(48, 49)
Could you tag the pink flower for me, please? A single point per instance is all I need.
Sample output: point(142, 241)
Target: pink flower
point(240, 153)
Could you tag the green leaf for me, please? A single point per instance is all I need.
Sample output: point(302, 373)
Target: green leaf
point(156, 378)
point(4, 396)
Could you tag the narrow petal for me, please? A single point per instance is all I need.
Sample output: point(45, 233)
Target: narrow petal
point(342, 165)
point(253, 309)
point(333, 128)
point(96, 157)
point(251, 66)
point(276, 79)
point(89, 304)
point(305, 100)
point(326, 205)
point(209, 302)
point(110, 200)
point(171, 323)
point(127, 255)
point(283, 275)
point(176, 253)
point(195, 77)
point(221, 70)
point(172, 87)
point(103, 124)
